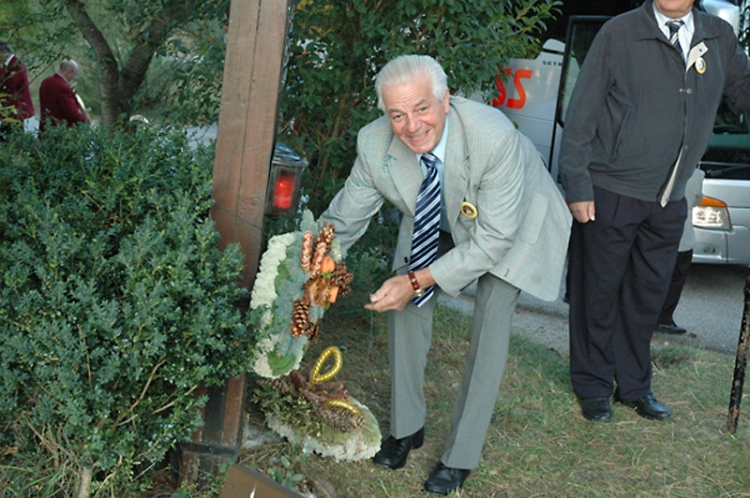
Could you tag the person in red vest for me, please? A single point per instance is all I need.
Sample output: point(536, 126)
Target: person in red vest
point(14, 90)
point(58, 99)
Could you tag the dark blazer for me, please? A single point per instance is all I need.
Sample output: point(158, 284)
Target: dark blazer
point(14, 85)
point(636, 105)
point(58, 102)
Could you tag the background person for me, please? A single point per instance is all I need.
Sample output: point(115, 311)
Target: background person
point(58, 99)
point(503, 222)
point(14, 89)
point(639, 120)
point(693, 196)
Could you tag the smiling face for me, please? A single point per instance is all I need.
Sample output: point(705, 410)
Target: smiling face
point(417, 116)
point(674, 8)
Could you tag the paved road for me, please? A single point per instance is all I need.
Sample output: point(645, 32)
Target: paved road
point(711, 309)
point(711, 306)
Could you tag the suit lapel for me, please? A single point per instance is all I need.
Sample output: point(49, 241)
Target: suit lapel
point(455, 170)
point(405, 172)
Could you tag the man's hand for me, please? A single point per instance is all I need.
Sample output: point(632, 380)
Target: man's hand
point(396, 292)
point(583, 212)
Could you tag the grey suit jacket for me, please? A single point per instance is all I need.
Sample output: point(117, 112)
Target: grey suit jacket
point(521, 231)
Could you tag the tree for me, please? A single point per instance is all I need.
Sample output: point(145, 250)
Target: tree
point(123, 37)
point(337, 48)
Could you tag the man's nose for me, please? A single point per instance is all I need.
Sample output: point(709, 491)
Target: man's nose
point(413, 124)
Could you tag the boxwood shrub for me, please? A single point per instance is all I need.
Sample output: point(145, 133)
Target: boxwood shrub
point(115, 305)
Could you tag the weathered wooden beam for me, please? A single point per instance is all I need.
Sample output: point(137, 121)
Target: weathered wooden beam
point(256, 44)
point(247, 123)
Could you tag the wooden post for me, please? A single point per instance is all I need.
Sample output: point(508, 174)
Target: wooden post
point(740, 364)
point(244, 150)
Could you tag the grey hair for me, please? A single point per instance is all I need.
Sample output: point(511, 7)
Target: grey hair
point(68, 65)
point(5, 48)
point(404, 68)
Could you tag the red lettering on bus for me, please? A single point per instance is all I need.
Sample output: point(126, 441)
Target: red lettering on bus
point(521, 100)
point(500, 99)
point(516, 103)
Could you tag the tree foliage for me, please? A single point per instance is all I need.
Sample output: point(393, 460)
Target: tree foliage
point(337, 48)
point(121, 39)
point(116, 304)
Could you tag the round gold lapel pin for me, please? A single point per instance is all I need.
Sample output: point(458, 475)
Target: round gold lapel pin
point(468, 210)
point(700, 65)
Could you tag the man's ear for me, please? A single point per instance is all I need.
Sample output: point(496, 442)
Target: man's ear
point(447, 101)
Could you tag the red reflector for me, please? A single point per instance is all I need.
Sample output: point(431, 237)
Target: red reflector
point(283, 190)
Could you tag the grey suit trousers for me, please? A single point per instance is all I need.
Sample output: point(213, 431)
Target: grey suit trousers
point(409, 340)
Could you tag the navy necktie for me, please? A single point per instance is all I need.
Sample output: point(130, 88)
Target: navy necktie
point(674, 39)
point(426, 224)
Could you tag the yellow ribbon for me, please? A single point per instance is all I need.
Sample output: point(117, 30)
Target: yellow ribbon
point(338, 403)
point(316, 377)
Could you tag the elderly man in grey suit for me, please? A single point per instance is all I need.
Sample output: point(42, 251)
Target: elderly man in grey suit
point(502, 221)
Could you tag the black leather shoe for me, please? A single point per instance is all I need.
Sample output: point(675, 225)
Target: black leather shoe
point(648, 407)
point(444, 479)
point(670, 328)
point(393, 452)
point(596, 409)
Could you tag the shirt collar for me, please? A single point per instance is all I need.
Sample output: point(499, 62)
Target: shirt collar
point(662, 21)
point(8, 59)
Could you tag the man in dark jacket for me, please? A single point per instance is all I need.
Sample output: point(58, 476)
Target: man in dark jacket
point(639, 121)
point(15, 98)
point(58, 99)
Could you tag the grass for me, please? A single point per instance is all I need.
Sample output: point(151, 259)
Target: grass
point(538, 445)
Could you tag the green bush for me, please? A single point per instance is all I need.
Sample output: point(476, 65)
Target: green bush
point(115, 305)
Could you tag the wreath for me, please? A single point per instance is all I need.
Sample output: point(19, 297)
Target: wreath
point(301, 274)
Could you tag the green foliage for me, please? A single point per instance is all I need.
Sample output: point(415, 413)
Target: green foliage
point(8, 113)
point(337, 48)
point(116, 303)
point(296, 411)
point(283, 468)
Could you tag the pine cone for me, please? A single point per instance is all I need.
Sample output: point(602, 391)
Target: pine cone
point(306, 253)
point(321, 249)
point(312, 331)
point(280, 384)
point(333, 389)
point(300, 319)
point(341, 278)
point(326, 234)
point(337, 418)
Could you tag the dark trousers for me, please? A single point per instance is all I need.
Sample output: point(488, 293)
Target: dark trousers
point(675, 286)
point(619, 269)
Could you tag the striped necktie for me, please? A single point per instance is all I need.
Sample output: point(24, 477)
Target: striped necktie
point(424, 242)
point(674, 39)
